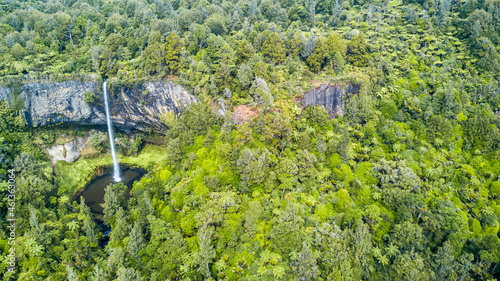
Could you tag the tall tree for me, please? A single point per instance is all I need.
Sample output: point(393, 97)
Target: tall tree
point(136, 243)
point(356, 51)
point(274, 48)
point(318, 58)
point(344, 144)
point(173, 47)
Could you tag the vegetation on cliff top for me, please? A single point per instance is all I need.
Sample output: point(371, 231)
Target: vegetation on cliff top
point(404, 186)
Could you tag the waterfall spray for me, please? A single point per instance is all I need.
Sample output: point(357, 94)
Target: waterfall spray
point(116, 167)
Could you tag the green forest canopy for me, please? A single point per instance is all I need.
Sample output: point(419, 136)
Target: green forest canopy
point(404, 186)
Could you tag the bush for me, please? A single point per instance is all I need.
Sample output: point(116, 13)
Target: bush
point(388, 108)
point(99, 140)
point(90, 98)
point(48, 137)
point(495, 189)
point(17, 102)
point(18, 52)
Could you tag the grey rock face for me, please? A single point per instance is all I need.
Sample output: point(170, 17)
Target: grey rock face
point(333, 97)
point(138, 107)
point(5, 94)
point(68, 152)
point(60, 102)
point(143, 105)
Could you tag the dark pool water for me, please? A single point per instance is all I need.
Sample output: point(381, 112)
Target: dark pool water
point(94, 192)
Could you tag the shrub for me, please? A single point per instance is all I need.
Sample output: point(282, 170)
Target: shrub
point(90, 98)
point(99, 140)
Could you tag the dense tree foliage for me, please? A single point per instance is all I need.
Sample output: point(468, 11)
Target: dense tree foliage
point(404, 186)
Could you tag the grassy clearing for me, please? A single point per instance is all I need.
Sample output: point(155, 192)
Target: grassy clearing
point(150, 154)
point(73, 176)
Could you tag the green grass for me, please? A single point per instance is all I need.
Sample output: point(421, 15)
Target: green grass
point(74, 176)
point(150, 154)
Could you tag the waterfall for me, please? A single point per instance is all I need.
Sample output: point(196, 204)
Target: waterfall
point(116, 167)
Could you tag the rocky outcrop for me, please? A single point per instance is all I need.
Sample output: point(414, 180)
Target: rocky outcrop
point(137, 107)
point(5, 94)
point(333, 97)
point(69, 151)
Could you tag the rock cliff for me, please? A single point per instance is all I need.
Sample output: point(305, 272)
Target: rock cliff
point(333, 97)
point(138, 107)
point(141, 106)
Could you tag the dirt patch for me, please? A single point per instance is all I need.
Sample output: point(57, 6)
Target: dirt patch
point(316, 83)
point(243, 113)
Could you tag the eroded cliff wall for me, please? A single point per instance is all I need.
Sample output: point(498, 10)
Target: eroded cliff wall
point(138, 107)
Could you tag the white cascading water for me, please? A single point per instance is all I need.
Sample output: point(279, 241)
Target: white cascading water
point(116, 167)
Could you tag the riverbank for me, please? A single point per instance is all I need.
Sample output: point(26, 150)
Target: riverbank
point(72, 177)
